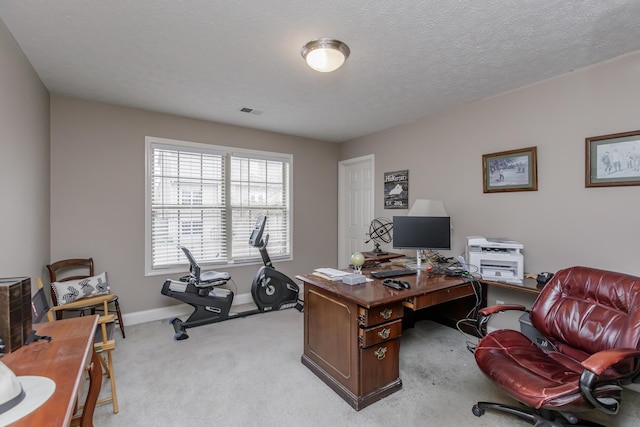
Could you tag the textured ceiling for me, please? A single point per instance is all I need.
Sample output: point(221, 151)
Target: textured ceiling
point(207, 59)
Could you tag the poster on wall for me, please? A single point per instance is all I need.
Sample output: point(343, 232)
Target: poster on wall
point(396, 190)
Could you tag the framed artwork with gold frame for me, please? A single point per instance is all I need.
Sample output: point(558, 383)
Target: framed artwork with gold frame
point(513, 170)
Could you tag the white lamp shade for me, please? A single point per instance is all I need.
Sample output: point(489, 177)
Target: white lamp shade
point(426, 207)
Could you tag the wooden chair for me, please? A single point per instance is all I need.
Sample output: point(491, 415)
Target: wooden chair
point(85, 419)
point(74, 269)
point(103, 343)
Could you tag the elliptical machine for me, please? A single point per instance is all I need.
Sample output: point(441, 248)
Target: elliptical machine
point(270, 289)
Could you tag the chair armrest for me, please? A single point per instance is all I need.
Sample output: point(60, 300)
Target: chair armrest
point(600, 361)
point(488, 311)
point(106, 319)
point(85, 302)
point(485, 314)
point(594, 366)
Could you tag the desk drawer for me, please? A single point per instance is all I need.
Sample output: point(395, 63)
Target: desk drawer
point(379, 366)
point(377, 334)
point(438, 297)
point(378, 315)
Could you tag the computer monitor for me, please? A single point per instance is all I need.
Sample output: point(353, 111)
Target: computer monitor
point(421, 232)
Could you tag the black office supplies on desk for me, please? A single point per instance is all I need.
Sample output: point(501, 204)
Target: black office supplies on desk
point(396, 284)
point(393, 273)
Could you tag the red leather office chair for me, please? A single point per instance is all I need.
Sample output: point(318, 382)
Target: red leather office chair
point(592, 318)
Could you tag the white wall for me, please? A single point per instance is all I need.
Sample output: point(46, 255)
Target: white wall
point(563, 223)
point(24, 164)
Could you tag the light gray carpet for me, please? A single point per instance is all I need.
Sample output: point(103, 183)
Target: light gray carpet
point(247, 371)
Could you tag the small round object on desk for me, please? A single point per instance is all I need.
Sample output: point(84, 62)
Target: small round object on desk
point(357, 259)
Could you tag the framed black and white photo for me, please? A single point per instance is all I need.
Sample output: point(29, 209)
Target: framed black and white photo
point(613, 160)
point(396, 190)
point(514, 170)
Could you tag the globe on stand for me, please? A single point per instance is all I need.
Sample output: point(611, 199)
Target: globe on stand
point(380, 232)
point(357, 260)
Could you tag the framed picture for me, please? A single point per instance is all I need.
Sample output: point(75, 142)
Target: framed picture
point(613, 160)
point(514, 170)
point(396, 190)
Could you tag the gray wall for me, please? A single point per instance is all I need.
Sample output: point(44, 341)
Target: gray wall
point(97, 192)
point(24, 164)
point(561, 224)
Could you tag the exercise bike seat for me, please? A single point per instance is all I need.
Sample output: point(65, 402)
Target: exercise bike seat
point(209, 277)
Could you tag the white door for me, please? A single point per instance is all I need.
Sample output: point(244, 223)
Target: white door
point(355, 206)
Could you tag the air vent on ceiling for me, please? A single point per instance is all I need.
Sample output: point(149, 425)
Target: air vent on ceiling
point(250, 111)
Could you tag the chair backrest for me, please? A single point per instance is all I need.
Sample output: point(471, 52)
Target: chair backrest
point(589, 310)
point(69, 269)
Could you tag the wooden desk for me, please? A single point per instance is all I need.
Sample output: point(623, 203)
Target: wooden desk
point(64, 360)
point(351, 333)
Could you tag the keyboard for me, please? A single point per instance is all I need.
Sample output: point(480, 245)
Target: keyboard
point(384, 274)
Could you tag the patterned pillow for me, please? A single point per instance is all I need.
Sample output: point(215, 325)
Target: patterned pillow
point(73, 290)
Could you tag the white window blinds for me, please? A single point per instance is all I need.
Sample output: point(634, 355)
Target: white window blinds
point(207, 199)
point(259, 186)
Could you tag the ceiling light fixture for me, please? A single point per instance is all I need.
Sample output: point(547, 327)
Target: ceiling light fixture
point(325, 55)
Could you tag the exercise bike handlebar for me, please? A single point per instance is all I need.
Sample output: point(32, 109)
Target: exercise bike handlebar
point(263, 243)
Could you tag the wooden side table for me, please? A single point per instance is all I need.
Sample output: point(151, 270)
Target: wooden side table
point(64, 359)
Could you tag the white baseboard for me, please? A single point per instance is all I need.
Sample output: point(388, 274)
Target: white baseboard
point(172, 311)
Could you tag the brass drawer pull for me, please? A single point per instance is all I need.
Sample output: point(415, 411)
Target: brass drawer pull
point(386, 314)
point(384, 333)
point(381, 353)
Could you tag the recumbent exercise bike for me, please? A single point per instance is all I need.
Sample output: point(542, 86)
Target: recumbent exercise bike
point(271, 290)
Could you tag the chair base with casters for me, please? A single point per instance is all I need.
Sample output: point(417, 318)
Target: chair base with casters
point(543, 418)
point(590, 320)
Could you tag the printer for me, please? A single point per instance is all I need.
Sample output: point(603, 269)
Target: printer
point(498, 260)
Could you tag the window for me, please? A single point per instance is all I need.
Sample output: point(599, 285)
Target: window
point(207, 198)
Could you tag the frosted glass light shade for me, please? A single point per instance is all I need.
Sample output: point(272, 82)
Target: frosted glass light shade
point(325, 55)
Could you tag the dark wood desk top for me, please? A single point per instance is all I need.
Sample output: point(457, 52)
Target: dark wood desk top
point(371, 294)
point(371, 257)
point(528, 285)
point(62, 360)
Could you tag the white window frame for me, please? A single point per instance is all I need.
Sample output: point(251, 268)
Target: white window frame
point(228, 152)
